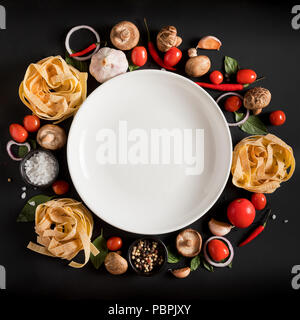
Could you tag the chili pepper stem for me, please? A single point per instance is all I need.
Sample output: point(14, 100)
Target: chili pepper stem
point(267, 218)
point(148, 32)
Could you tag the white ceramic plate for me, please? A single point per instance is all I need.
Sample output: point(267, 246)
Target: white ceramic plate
point(148, 198)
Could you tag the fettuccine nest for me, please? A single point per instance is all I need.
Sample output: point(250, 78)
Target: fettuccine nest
point(64, 227)
point(52, 89)
point(261, 163)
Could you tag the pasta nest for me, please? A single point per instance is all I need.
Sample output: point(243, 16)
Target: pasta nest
point(261, 163)
point(52, 89)
point(64, 227)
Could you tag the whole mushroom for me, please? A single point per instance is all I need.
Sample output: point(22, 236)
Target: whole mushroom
point(188, 243)
point(125, 35)
point(51, 136)
point(108, 63)
point(115, 264)
point(197, 66)
point(256, 99)
point(167, 38)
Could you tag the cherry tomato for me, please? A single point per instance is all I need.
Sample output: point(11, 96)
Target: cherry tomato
point(217, 250)
point(241, 213)
point(259, 200)
point(114, 243)
point(277, 118)
point(233, 103)
point(31, 123)
point(60, 187)
point(18, 133)
point(139, 56)
point(172, 56)
point(245, 76)
point(216, 77)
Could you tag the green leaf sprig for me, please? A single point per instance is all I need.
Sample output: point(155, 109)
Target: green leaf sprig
point(253, 125)
point(100, 244)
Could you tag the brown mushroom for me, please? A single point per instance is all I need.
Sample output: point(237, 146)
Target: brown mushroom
point(125, 35)
point(256, 99)
point(188, 243)
point(51, 136)
point(181, 273)
point(167, 38)
point(115, 264)
point(197, 66)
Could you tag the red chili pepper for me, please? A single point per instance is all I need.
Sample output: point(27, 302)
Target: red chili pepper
point(154, 54)
point(223, 86)
point(256, 231)
point(84, 51)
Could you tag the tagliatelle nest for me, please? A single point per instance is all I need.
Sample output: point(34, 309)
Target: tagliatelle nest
point(52, 89)
point(64, 227)
point(261, 163)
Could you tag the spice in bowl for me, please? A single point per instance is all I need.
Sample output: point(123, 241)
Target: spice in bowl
point(147, 256)
point(39, 168)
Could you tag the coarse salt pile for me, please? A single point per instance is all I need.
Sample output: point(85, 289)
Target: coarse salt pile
point(40, 169)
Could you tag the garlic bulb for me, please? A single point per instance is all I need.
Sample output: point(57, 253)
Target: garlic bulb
point(108, 63)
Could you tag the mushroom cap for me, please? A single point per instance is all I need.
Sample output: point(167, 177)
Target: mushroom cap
point(257, 98)
point(51, 136)
point(189, 242)
point(167, 38)
point(125, 35)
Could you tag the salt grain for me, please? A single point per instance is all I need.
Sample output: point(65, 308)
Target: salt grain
point(23, 188)
point(273, 216)
point(31, 203)
point(23, 195)
point(40, 168)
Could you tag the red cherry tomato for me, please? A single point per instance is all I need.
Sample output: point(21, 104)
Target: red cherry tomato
point(259, 200)
point(277, 118)
point(241, 213)
point(31, 123)
point(18, 133)
point(172, 56)
point(245, 76)
point(233, 103)
point(217, 250)
point(139, 56)
point(60, 187)
point(114, 243)
point(216, 77)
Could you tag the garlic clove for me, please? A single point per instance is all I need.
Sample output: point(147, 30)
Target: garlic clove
point(192, 52)
point(209, 43)
point(219, 228)
point(181, 273)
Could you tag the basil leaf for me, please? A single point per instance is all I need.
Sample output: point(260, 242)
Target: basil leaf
point(100, 244)
point(207, 266)
point(132, 67)
point(27, 214)
point(230, 265)
point(231, 66)
point(22, 151)
point(173, 257)
point(33, 144)
point(79, 65)
point(195, 263)
point(253, 125)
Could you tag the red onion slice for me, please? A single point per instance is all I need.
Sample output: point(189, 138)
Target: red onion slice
point(216, 264)
point(11, 143)
point(67, 41)
point(240, 96)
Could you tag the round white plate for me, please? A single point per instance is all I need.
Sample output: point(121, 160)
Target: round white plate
point(149, 198)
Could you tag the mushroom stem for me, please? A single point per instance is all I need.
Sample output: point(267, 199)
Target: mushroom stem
point(125, 34)
point(257, 111)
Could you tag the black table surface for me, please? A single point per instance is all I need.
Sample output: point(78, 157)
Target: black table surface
point(259, 35)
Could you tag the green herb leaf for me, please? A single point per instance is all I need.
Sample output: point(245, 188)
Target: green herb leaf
point(173, 257)
point(207, 266)
point(22, 151)
point(231, 66)
point(100, 244)
point(132, 67)
point(253, 125)
point(230, 265)
point(79, 65)
point(195, 263)
point(28, 212)
point(33, 144)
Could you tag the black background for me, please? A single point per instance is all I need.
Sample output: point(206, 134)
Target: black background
point(259, 35)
